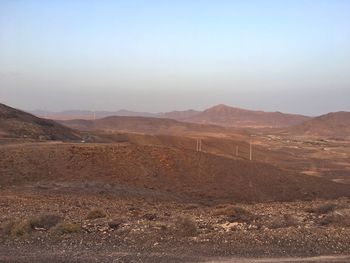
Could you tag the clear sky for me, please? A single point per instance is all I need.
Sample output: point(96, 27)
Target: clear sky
point(291, 56)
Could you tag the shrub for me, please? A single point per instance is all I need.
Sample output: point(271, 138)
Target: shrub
point(115, 224)
point(338, 217)
point(186, 226)
point(150, 217)
point(67, 228)
point(96, 213)
point(45, 221)
point(290, 220)
point(287, 220)
point(236, 214)
point(21, 228)
point(16, 228)
point(322, 209)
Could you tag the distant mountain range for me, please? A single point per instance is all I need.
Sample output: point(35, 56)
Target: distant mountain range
point(19, 124)
point(146, 125)
point(228, 116)
point(219, 115)
point(334, 125)
point(88, 115)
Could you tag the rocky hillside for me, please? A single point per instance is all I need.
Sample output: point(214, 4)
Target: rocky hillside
point(19, 124)
point(229, 116)
point(334, 125)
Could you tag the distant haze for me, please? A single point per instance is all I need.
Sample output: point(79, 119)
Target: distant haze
point(157, 56)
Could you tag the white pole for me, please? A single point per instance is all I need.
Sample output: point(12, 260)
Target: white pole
point(250, 150)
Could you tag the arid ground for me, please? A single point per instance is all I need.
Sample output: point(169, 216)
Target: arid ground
point(116, 191)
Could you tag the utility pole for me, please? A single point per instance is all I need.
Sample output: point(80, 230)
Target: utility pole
point(199, 145)
point(250, 150)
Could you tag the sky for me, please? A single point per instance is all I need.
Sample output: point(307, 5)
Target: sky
point(156, 56)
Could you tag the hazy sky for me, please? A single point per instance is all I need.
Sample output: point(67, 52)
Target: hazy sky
point(291, 56)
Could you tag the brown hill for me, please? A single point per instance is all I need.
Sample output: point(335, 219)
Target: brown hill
point(143, 125)
point(178, 173)
point(228, 116)
point(19, 124)
point(332, 125)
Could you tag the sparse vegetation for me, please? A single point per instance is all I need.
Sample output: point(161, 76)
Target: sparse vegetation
point(337, 217)
point(290, 220)
point(186, 226)
point(115, 224)
point(150, 216)
point(156, 193)
point(45, 221)
point(322, 209)
point(287, 220)
point(20, 228)
point(16, 228)
point(67, 228)
point(96, 213)
point(235, 214)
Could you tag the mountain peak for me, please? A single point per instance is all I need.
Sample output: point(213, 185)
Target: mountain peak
point(225, 115)
point(221, 106)
point(223, 109)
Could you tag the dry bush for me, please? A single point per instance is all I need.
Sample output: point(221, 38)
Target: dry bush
point(115, 224)
point(290, 220)
point(150, 217)
point(322, 209)
point(16, 228)
point(338, 217)
point(67, 228)
point(96, 213)
point(45, 221)
point(21, 228)
point(287, 220)
point(235, 214)
point(186, 226)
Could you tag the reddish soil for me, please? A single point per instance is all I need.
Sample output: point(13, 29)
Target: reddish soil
point(133, 197)
point(162, 170)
